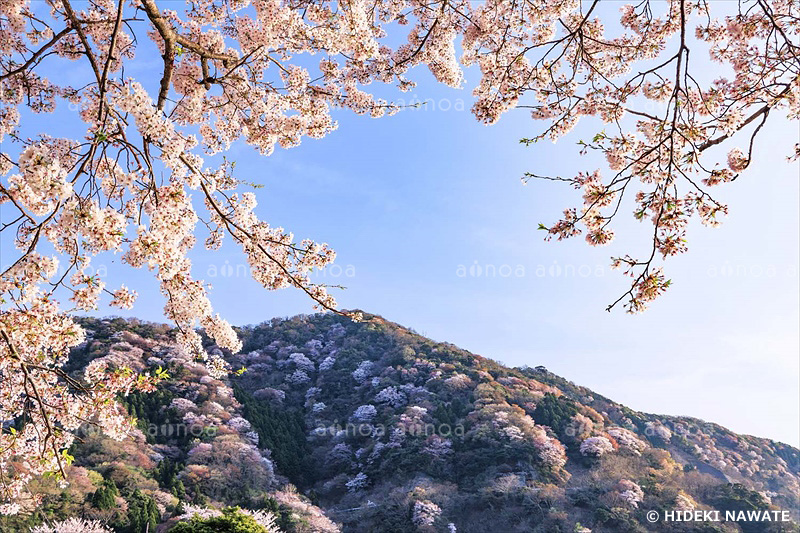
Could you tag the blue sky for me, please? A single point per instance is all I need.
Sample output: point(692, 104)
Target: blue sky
point(415, 202)
point(412, 202)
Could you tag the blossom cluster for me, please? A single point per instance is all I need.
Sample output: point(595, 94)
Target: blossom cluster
point(596, 447)
point(627, 440)
point(265, 519)
point(425, 513)
point(630, 493)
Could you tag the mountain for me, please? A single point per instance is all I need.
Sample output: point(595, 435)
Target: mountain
point(333, 425)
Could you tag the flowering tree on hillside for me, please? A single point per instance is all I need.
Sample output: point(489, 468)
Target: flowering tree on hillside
point(144, 172)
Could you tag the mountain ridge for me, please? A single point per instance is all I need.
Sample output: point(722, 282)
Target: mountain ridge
point(696, 444)
point(559, 378)
point(341, 426)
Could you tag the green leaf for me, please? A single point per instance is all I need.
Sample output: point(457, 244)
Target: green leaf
point(67, 457)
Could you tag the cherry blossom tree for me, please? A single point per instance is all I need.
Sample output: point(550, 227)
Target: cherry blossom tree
point(630, 493)
point(145, 175)
point(627, 440)
point(263, 518)
point(663, 117)
point(425, 513)
point(596, 447)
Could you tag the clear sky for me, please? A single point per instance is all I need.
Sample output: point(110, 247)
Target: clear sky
point(417, 205)
point(414, 203)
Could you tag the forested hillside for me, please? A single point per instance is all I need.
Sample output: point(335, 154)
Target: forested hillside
point(326, 424)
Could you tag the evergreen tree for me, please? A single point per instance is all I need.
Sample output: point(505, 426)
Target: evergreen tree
point(554, 412)
point(104, 497)
point(143, 515)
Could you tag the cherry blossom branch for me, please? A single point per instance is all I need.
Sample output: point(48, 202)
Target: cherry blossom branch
point(761, 112)
point(36, 55)
point(111, 47)
point(28, 381)
point(82, 36)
